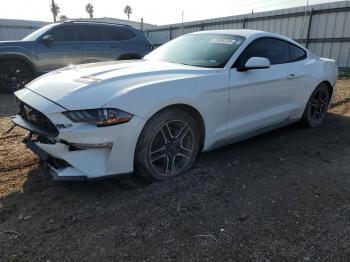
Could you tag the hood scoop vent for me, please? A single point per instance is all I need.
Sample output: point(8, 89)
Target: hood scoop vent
point(87, 79)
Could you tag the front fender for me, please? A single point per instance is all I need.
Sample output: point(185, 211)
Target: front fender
point(208, 94)
point(24, 54)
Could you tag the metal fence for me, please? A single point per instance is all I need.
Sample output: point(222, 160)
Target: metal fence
point(11, 29)
point(323, 28)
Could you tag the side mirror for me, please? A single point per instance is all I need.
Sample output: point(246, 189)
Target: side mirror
point(48, 39)
point(255, 63)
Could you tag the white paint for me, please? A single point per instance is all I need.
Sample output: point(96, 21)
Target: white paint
point(230, 102)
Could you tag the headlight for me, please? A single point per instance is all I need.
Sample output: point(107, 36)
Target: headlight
point(100, 117)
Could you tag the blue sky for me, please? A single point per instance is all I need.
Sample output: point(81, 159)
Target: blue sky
point(153, 11)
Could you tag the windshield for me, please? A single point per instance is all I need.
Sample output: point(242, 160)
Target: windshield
point(203, 50)
point(36, 34)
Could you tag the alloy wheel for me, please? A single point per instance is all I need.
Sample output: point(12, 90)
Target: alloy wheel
point(171, 148)
point(319, 105)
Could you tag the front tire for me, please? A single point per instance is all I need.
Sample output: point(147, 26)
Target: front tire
point(317, 106)
point(14, 75)
point(168, 145)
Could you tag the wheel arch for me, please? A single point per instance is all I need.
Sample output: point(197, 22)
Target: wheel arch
point(329, 86)
point(21, 58)
point(193, 112)
point(129, 56)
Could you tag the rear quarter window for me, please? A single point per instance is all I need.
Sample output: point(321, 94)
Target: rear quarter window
point(115, 33)
point(296, 53)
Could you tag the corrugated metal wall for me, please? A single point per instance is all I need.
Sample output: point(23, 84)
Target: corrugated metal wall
point(17, 29)
point(326, 28)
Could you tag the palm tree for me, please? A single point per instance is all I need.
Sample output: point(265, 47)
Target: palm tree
point(55, 9)
point(63, 17)
point(128, 11)
point(90, 9)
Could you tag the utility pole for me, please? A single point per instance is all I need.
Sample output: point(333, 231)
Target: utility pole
point(304, 22)
point(53, 6)
point(182, 23)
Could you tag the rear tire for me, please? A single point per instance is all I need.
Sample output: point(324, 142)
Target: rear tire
point(317, 106)
point(14, 75)
point(168, 145)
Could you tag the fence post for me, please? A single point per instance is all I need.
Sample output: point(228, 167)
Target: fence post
point(202, 26)
point(244, 21)
point(170, 33)
point(309, 28)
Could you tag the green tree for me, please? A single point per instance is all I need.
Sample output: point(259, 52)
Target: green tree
point(128, 11)
point(90, 10)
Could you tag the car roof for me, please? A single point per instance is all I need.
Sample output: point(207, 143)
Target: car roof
point(94, 23)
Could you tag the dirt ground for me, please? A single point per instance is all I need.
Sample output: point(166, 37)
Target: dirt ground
point(282, 196)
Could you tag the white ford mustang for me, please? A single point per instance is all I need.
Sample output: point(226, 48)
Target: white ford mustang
point(193, 94)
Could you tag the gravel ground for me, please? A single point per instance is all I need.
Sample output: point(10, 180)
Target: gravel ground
point(282, 196)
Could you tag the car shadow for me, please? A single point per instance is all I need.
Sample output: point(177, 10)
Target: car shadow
point(8, 105)
point(295, 135)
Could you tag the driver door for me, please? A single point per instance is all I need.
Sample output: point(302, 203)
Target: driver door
point(64, 49)
point(261, 98)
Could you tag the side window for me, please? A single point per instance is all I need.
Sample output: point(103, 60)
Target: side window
point(64, 34)
point(106, 33)
point(125, 34)
point(114, 33)
point(275, 50)
point(296, 53)
point(91, 33)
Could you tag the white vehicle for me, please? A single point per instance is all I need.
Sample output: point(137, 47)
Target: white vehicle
point(193, 94)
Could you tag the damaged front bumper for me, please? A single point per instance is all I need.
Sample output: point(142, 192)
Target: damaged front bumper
point(54, 154)
point(76, 150)
point(84, 158)
point(56, 166)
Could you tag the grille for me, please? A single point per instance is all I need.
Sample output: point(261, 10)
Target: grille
point(37, 118)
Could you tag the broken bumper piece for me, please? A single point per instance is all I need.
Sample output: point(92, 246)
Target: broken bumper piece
point(59, 169)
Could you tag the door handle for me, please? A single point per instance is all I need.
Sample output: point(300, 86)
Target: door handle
point(291, 76)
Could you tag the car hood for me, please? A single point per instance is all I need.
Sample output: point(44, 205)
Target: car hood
point(94, 85)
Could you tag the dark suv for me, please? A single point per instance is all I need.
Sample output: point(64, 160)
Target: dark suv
point(61, 44)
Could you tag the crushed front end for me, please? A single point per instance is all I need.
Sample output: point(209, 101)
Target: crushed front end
point(75, 151)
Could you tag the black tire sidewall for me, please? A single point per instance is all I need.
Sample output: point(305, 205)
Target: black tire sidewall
point(21, 66)
point(142, 165)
